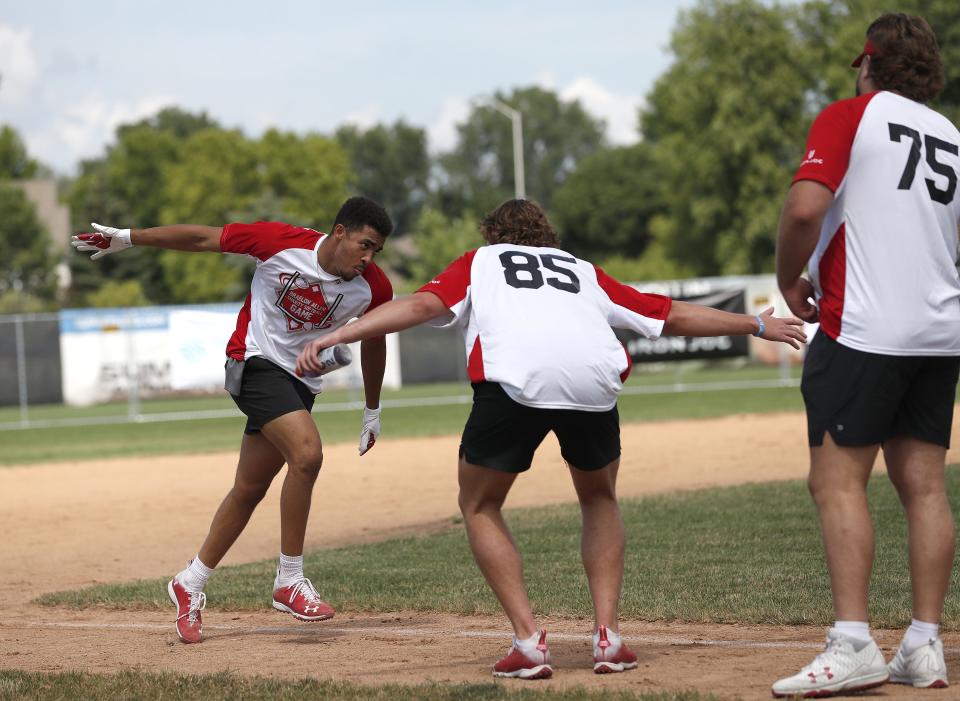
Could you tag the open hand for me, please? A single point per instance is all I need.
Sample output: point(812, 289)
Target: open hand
point(785, 330)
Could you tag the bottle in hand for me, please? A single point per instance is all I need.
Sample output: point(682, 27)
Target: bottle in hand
point(332, 358)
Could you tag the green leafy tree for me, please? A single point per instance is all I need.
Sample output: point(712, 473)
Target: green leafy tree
point(27, 269)
point(726, 124)
point(557, 135)
point(392, 167)
point(15, 162)
point(438, 240)
point(126, 187)
point(605, 206)
point(118, 293)
point(306, 177)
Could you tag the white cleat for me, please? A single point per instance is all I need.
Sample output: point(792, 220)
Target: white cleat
point(924, 668)
point(846, 665)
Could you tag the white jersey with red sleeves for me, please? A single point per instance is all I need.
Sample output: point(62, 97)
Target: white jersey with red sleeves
point(538, 321)
point(292, 299)
point(885, 266)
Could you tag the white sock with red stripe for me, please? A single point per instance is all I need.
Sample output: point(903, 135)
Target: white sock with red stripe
point(195, 576)
point(289, 572)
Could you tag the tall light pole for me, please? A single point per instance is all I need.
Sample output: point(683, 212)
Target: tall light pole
point(519, 186)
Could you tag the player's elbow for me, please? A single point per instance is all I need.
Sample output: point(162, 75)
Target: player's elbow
point(806, 204)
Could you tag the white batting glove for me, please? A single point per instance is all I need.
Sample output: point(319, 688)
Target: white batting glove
point(108, 240)
point(371, 429)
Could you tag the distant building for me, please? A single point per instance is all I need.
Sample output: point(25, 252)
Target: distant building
point(55, 216)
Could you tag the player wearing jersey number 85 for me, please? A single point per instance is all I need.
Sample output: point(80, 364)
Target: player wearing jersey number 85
point(542, 356)
point(306, 284)
point(872, 214)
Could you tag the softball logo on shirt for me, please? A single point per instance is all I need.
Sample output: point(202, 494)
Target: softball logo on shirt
point(304, 304)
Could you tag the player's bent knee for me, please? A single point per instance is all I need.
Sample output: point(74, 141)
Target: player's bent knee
point(307, 461)
point(250, 494)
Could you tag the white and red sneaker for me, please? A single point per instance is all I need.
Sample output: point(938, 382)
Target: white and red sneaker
point(302, 601)
point(189, 605)
point(611, 656)
point(534, 664)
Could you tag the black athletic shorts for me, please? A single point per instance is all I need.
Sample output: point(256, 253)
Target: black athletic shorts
point(866, 398)
point(503, 434)
point(268, 391)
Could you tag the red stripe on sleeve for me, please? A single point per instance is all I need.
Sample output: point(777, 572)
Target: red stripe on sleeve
point(648, 305)
point(829, 142)
point(451, 285)
point(264, 240)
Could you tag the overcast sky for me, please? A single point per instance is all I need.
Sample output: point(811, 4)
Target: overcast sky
point(72, 71)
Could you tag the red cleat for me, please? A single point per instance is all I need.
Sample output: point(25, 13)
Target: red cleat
point(609, 657)
point(302, 601)
point(189, 605)
point(520, 665)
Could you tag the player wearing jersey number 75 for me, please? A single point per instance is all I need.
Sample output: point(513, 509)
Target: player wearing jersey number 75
point(306, 284)
point(543, 357)
point(872, 214)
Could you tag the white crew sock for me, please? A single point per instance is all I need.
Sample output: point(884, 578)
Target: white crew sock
point(858, 630)
point(290, 571)
point(919, 634)
point(195, 576)
point(527, 644)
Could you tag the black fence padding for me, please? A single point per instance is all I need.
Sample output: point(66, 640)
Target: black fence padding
point(41, 346)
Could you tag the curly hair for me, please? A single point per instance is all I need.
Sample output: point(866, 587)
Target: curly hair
point(907, 58)
point(521, 222)
point(358, 212)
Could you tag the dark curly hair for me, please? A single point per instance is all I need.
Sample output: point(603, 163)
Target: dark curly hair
point(906, 57)
point(358, 212)
point(521, 222)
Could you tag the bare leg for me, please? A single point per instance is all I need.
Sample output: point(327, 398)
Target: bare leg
point(259, 463)
point(602, 539)
point(482, 493)
point(296, 438)
point(916, 469)
point(838, 483)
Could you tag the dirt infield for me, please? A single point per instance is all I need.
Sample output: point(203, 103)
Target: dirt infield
point(72, 524)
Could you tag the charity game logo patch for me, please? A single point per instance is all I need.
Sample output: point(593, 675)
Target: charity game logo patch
point(303, 303)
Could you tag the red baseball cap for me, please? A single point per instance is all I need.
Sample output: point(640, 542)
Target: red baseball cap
point(868, 50)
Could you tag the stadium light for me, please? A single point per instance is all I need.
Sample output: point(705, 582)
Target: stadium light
point(519, 186)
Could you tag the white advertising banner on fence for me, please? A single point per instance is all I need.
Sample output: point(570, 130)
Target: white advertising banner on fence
point(156, 351)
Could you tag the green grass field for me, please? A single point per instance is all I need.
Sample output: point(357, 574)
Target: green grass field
point(746, 554)
point(24, 446)
point(220, 687)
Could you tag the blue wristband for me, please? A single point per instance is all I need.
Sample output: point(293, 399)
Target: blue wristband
point(759, 332)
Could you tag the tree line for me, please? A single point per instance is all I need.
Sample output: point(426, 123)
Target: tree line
point(720, 135)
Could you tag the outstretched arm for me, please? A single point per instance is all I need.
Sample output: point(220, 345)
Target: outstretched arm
point(396, 315)
point(687, 319)
point(179, 237)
